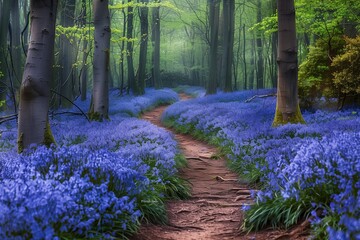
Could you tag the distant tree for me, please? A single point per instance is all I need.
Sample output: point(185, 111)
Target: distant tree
point(15, 45)
point(155, 39)
point(67, 53)
point(84, 67)
point(4, 22)
point(129, 47)
point(33, 123)
point(287, 104)
point(144, 34)
point(100, 97)
point(228, 43)
point(213, 6)
point(259, 49)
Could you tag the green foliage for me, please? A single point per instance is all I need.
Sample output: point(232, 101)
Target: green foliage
point(315, 73)
point(268, 25)
point(325, 18)
point(275, 213)
point(319, 231)
point(153, 207)
point(165, 4)
point(347, 68)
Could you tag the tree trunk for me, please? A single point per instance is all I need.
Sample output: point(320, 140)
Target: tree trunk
point(100, 96)
point(287, 105)
point(144, 32)
point(35, 87)
point(85, 52)
point(4, 22)
point(259, 48)
point(244, 58)
point(228, 42)
point(214, 30)
point(122, 51)
point(129, 47)
point(16, 43)
point(156, 46)
point(67, 53)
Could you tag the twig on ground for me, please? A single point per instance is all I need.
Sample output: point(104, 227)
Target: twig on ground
point(259, 96)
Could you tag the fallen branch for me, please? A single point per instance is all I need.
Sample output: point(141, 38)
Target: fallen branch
point(260, 96)
point(7, 118)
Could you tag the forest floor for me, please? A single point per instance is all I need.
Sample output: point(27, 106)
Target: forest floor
point(214, 210)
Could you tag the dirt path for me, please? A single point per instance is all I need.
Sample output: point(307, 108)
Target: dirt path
point(214, 210)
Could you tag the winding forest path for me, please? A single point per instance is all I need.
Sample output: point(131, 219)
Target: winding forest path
point(214, 210)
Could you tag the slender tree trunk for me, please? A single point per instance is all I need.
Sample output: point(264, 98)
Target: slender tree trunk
point(17, 62)
point(214, 30)
point(244, 59)
point(35, 87)
point(156, 46)
point(4, 22)
point(252, 64)
point(129, 47)
point(67, 54)
point(100, 96)
point(287, 105)
point(228, 42)
point(85, 52)
point(122, 70)
point(259, 50)
point(144, 32)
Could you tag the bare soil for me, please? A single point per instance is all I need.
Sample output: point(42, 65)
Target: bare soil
point(214, 210)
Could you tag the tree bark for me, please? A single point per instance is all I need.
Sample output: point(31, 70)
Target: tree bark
point(244, 58)
point(100, 96)
point(287, 104)
point(129, 47)
point(16, 43)
point(85, 52)
point(144, 32)
point(35, 87)
point(214, 30)
point(156, 46)
point(228, 42)
point(259, 48)
point(67, 54)
point(4, 22)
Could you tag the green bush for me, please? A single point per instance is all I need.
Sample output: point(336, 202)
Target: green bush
point(315, 73)
point(347, 70)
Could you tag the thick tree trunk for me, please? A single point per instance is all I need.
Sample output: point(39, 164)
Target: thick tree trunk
point(228, 42)
point(129, 47)
point(287, 105)
point(156, 46)
point(100, 97)
point(4, 22)
point(35, 87)
point(214, 30)
point(144, 32)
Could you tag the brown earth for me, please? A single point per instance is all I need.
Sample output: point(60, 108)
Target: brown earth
point(214, 210)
